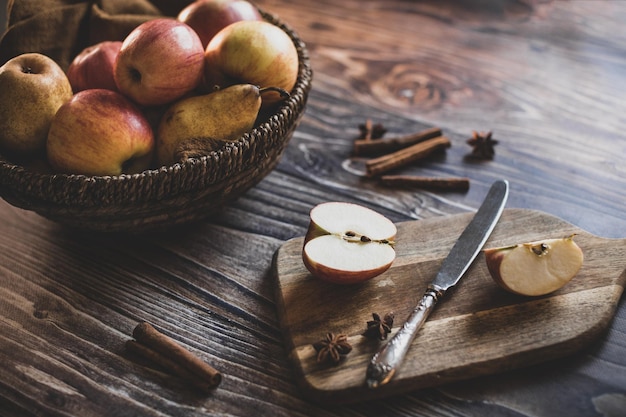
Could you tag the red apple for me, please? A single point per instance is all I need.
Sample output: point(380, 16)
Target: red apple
point(33, 88)
point(159, 61)
point(348, 243)
point(207, 17)
point(252, 52)
point(93, 67)
point(100, 132)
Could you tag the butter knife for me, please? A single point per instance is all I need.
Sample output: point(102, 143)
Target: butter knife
point(386, 362)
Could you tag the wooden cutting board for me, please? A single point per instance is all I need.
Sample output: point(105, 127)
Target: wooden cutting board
point(476, 329)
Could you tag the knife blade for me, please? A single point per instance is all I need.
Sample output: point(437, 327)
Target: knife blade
point(386, 362)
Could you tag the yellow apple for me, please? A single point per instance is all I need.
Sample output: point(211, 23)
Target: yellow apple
point(252, 52)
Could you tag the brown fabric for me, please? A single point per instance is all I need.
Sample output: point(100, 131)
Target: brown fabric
point(18, 10)
point(104, 26)
point(62, 28)
point(115, 7)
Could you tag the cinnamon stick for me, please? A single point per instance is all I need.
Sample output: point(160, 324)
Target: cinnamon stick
point(429, 183)
point(364, 147)
point(405, 156)
point(173, 367)
point(163, 350)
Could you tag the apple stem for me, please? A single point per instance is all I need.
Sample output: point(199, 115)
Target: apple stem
point(283, 93)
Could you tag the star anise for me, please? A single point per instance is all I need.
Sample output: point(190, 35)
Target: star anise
point(332, 347)
point(377, 328)
point(483, 145)
point(368, 130)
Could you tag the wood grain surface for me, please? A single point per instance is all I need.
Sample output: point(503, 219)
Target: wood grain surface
point(476, 330)
point(546, 76)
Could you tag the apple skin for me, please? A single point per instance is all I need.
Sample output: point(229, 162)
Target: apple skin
point(335, 250)
point(252, 52)
point(100, 132)
point(342, 276)
point(93, 67)
point(207, 17)
point(33, 88)
point(535, 268)
point(160, 61)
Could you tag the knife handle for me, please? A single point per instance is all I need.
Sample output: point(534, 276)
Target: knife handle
point(384, 364)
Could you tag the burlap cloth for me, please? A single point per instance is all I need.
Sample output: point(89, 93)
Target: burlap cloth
point(61, 29)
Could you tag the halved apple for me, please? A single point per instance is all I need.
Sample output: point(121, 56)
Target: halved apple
point(347, 243)
point(535, 268)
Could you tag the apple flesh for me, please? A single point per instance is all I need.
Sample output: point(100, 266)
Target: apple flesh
point(33, 88)
point(93, 67)
point(535, 268)
point(347, 243)
point(252, 52)
point(160, 61)
point(100, 132)
point(207, 17)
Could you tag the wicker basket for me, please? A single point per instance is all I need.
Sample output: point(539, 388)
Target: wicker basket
point(167, 196)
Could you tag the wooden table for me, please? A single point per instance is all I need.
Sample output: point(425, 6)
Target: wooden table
point(548, 78)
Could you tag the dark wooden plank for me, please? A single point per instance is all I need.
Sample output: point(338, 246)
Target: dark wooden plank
point(545, 76)
point(507, 66)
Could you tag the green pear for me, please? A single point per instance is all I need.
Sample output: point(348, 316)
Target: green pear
point(208, 120)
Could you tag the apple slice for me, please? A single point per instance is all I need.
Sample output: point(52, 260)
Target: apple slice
point(535, 268)
point(347, 243)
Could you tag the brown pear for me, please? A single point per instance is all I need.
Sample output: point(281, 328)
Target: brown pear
point(33, 88)
point(211, 119)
